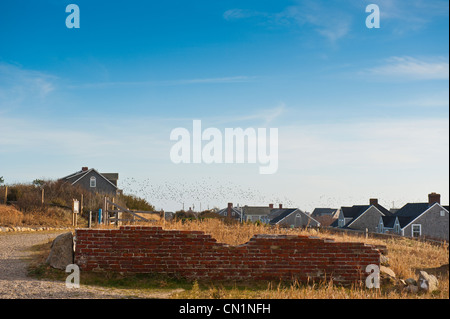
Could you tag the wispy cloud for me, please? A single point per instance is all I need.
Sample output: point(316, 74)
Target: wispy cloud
point(377, 145)
point(411, 15)
point(409, 68)
point(14, 78)
point(235, 14)
point(331, 23)
point(19, 85)
point(216, 80)
point(70, 140)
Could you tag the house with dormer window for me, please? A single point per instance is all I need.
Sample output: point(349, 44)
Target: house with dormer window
point(429, 219)
point(94, 181)
point(361, 217)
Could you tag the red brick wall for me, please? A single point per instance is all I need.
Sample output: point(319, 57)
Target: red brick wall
point(194, 255)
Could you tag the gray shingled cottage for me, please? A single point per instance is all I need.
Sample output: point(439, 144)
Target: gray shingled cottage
point(285, 217)
point(92, 180)
point(419, 220)
point(361, 217)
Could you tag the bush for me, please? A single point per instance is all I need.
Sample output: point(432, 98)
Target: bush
point(58, 201)
point(10, 216)
point(136, 203)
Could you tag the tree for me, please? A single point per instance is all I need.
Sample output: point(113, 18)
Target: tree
point(1, 180)
point(137, 203)
point(38, 182)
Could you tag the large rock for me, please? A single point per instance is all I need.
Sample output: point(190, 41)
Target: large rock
point(61, 253)
point(428, 282)
point(384, 261)
point(411, 281)
point(387, 276)
point(412, 289)
point(386, 272)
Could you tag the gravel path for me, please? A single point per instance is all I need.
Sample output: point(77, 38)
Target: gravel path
point(15, 284)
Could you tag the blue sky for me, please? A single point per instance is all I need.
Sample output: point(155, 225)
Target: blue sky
point(361, 112)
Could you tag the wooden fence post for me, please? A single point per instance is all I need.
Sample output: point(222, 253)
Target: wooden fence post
point(105, 212)
point(116, 214)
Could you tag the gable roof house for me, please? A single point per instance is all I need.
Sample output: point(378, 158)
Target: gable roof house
point(361, 217)
point(291, 217)
point(419, 220)
point(94, 181)
point(256, 213)
point(319, 212)
point(325, 216)
point(287, 217)
point(231, 212)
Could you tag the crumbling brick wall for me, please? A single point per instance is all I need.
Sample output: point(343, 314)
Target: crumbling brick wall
point(195, 255)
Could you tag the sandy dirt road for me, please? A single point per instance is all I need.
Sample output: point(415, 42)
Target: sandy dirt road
point(15, 251)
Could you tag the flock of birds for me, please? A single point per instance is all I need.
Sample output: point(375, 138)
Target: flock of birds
point(204, 193)
point(199, 194)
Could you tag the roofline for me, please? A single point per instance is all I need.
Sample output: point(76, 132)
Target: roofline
point(332, 214)
point(395, 220)
point(424, 213)
point(298, 209)
point(86, 172)
point(93, 169)
point(72, 175)
point(226, 211)
point(354, 220)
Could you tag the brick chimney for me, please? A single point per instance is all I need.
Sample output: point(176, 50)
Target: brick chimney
point(373, 201)
point(84, 169)
point(434, 198)
point(271, 206)
point(280, 206)
point(230, 205)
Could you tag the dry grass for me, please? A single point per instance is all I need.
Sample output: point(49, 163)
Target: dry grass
point(406, 258)
point(53, 216)
point(10, 216)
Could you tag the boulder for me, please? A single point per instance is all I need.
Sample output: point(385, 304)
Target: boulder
point(386, 272)
point(411, 281)
point(428, 282)
point(384, 260)
point(412, 289)
point(387, 276)
point(62, 252)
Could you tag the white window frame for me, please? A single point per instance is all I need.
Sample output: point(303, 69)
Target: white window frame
point(380, 227)
point(298, 220)
point(397, 228)
point(93, 182)
point(442, 213)
point(412, 230)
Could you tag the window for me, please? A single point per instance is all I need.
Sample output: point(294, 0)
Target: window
point(341, 223)
point(397, 228)
point(380, 226)
point(416, 230)
point(93, 182)
point(298, 220)
point(442, 213)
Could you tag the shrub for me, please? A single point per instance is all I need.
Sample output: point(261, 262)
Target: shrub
point(136, 203)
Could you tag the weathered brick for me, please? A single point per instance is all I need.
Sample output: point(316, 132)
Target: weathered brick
point(195, 255)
